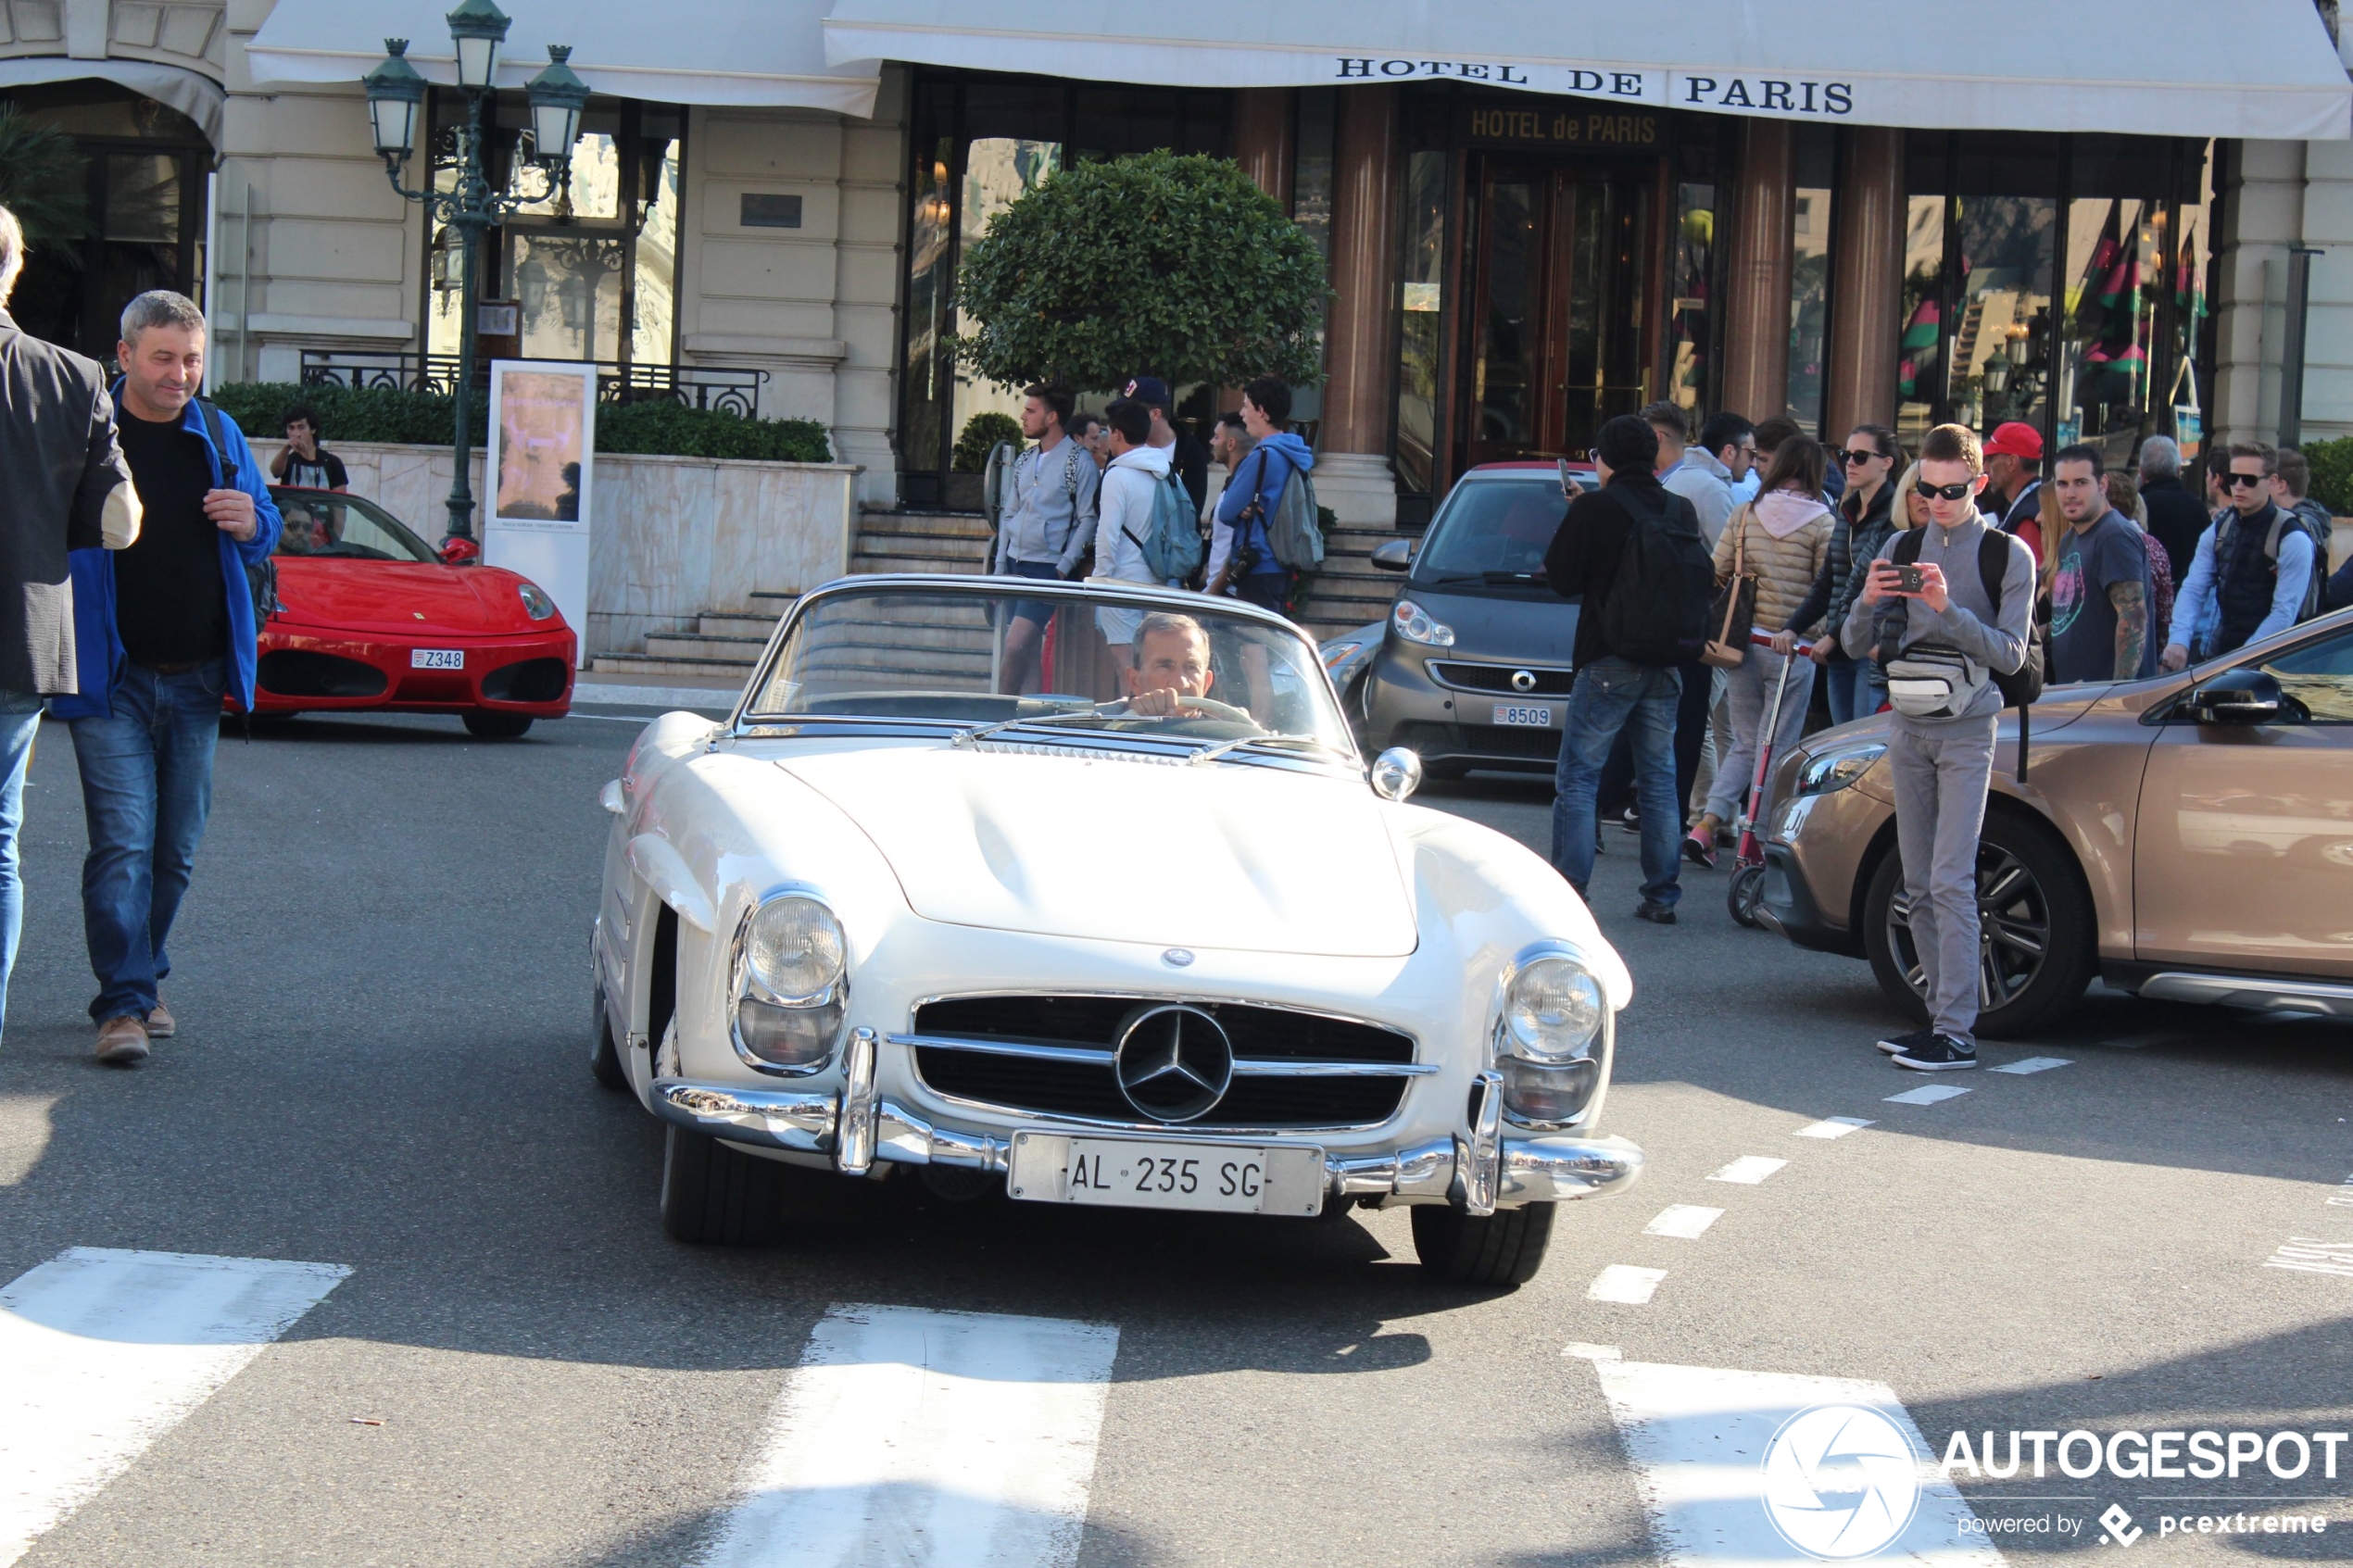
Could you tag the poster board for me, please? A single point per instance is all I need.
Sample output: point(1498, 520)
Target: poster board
point(541, 477)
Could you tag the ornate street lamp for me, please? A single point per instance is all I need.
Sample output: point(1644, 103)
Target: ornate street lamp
point(470, 208)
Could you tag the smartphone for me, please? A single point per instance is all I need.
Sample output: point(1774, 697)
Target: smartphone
point(1914, 580)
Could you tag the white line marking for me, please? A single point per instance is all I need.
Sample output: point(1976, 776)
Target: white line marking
point(1749, 1169)
point(913, 1437)
point(1624, 1284)
point(2034, 1064)
point(1698, 1438)
point(2309, 1255)
point(1577, 1349)
point(2343, 1196)
point(107, 1350)
point(1928, 1094)
point(1833, 1127)
point(1686, 1221)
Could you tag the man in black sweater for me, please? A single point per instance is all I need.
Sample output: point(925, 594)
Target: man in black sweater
point(1613, 692)
point(2176, 517)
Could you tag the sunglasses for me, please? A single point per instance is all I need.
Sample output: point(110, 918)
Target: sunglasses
point(1853, 455)
point(2235, 481)
point(1943, 492)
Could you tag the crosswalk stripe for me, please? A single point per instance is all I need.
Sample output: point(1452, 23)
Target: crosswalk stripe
point(1700, 1437)
point(107, 1350)
point(915, 1438)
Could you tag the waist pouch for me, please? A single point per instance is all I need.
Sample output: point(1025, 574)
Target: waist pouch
point(1933, 681)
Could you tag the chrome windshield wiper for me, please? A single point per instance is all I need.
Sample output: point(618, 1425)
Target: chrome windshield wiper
point(1211, 753)
point(980, 733)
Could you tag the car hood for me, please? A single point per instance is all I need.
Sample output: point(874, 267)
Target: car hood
point(1505, 625)
point(403, 598)
point(1226, 856)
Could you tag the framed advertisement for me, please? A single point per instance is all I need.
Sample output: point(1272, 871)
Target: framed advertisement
point(541, 478)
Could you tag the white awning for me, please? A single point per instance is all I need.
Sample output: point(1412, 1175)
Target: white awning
point(764, 52)
point(198, 96)
point(2185, 67)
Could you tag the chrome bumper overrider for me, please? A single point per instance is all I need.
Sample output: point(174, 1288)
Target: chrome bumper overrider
point(1481, 1169)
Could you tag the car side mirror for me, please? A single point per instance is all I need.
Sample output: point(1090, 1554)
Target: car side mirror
point(459, 552)
point(1394, 554)
point(2246, 696)
point(1396, 773)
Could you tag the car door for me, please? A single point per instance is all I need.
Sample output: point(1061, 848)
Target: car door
point(2243, 855)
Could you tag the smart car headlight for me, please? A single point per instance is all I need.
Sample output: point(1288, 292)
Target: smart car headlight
point(1552, 1012)
point(792, 991)
point(535, 602)
point(1414, 624)
point(1837, 768)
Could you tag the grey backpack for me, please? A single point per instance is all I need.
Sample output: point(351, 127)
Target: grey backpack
point(1295, 534)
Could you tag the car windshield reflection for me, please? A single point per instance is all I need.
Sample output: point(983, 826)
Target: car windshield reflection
point(326, 525)
point(1016, 664)
point(1493, 530)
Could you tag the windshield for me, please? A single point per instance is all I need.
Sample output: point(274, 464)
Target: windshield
point(1493, 526)
point(1074, 664)
point(324, 523)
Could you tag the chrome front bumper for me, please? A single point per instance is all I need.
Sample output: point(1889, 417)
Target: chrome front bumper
point(1481, 1169)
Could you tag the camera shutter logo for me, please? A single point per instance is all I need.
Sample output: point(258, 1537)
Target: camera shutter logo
point(1840, 1482)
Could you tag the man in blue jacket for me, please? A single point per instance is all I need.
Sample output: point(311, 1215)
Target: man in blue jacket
point(162, 631)
point(1241, 559)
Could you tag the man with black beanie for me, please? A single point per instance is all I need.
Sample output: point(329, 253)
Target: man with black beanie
point(1621, 688)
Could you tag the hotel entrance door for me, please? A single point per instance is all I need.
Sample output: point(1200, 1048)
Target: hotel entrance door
point(1562, 305)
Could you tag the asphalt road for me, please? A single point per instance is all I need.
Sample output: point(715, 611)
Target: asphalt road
point(382, 985)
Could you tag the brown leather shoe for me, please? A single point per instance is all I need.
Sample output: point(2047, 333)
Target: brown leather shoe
point(122, 1042)
point(160, 1023)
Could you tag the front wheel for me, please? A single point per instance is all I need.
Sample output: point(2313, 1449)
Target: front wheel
point(1746, 893)
point(2036, 946)
point(1505, 1247)
point(499, 726)
point(714, 1196)
point(604, 1057)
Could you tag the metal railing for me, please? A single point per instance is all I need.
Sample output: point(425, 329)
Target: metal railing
point(733, 388)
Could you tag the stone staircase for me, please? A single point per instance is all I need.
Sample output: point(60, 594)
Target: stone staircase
point(1346, 594)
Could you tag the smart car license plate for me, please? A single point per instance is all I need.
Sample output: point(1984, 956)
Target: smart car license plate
point(1533, 715)
point(455, 658)
point(1122, 1174)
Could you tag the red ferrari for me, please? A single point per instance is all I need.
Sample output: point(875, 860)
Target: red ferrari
point(372, 618)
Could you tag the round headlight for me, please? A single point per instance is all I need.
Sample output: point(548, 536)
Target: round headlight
point(1553, 1011)
point(535, 602)
point(795, 949)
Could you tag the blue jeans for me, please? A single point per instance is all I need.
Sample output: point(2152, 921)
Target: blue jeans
point(147, 787)
point(1613, 695)
point(20, 719)
point(1853, 689)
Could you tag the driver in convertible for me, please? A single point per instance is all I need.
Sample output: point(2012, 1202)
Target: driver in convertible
point(1169, 672)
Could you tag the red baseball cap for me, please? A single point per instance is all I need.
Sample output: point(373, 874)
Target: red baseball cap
point(2017, 439)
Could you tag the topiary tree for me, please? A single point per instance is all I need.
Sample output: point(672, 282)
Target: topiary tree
point(2332, 474)
point(1178, 265)
point(981, 433)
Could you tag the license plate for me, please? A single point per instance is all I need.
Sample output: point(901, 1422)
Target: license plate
point(1536, 716)
point(1139, 1174)
point(455, 658)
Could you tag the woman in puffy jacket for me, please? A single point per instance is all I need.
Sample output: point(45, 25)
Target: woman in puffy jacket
point(1869, 514)
point(1784, 539)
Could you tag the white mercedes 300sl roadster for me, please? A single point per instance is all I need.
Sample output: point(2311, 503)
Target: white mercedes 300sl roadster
point(1083, 894)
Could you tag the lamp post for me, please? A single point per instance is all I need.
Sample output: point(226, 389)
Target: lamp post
point(395, 94)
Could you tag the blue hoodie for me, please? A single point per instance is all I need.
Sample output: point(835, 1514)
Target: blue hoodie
point(1264, 473)
point(97, 642)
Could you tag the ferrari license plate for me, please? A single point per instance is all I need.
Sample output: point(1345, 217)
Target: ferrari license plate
point(1532, 715)
point(449, 659)
point(1123, 1173)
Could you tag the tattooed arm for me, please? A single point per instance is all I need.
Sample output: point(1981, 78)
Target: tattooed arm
point(2132, 627)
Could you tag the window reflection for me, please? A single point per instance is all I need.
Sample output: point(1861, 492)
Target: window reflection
point(2000, 339)
point(1919, 364)
point(1809, 289)
point(1690, 265)
point(999, 171)
point(1420, 272)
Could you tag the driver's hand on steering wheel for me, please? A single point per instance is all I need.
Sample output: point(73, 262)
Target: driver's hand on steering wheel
point(1159, 702)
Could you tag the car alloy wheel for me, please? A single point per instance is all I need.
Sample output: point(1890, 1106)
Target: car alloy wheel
point(2014, 930)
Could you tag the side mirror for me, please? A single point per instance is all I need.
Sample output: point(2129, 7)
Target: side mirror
point(2246, 696)
point(1394, 554)
point(1397, 773)
point(459, 552)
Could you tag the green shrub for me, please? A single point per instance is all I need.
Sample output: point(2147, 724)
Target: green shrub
point(423, 418)
point(2332, 474)
point(981, 433)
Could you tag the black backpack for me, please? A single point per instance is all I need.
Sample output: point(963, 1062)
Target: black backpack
point(261, 578)
point(1657, 611)
point(2023, 686)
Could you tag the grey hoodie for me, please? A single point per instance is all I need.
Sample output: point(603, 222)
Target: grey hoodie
point(1968, 623)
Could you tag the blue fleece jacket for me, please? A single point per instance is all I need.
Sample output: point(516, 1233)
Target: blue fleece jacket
point(98, 641)
point(1264, 473)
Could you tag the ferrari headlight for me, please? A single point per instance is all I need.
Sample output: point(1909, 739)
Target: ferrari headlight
point(535, 602)
point(1552, 1012)
point(1837, 768)
point(792, 995)
point(1414, 624)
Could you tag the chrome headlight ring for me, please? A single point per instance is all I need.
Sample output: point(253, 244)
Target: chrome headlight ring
point(788, 1027)
point(1835, 767)
point(1563, 1085)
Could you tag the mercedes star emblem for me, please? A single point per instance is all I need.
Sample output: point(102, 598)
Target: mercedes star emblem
point(1173, 1062)
point(1523, 680)
point(1177, 958)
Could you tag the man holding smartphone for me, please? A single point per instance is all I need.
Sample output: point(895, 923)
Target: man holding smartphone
point(1940, 750)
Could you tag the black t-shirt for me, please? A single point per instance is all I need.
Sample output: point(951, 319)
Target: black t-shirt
point(321, 472)
point(168, 600)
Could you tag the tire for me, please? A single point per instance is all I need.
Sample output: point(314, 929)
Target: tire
point(1745, 893)
point(1505, 1247)
point(604, 1058)
point(2038, 947)
point(499, 726)
point(714, 1196)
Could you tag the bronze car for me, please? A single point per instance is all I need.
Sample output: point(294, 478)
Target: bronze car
point(2188, 837)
